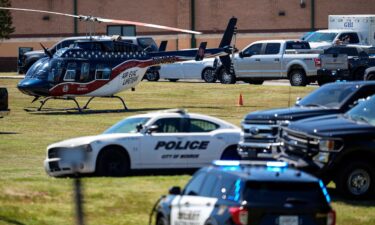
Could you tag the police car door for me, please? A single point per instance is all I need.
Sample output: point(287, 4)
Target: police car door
point(163, 147)
point(194, 206)
point(205, 144)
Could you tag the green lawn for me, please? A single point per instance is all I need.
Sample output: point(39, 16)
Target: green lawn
point(29, 196)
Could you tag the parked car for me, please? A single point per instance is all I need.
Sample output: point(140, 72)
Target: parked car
point(273, 59)
point(261, 128)
point(339, 148)
point(244, 193)
point(172, 139)
point(199, 70)
point(4, 110)
point(344, 63)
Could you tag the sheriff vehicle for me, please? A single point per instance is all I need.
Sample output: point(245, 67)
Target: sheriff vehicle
point(247, 192)
point(171, 139)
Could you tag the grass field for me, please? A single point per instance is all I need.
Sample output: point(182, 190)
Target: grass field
point(29, 196)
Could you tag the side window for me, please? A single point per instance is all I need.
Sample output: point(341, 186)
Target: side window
point(224, 188)
point(253, 50)
point(272, 49)
point(349, 38)
point(102, 72)
point(195, 184)
point(197, 125)
point(170, 125)
point(85, 73)
point(70, 73)
point(208, 185)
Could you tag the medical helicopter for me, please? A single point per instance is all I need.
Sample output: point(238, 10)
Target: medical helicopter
point(102, 68)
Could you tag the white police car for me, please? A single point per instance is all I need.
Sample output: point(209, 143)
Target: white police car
point(171, 139)
point(244, 193)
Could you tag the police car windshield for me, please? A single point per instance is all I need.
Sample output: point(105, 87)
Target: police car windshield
point(128, 125)
point(328, 96)
point(364, 112)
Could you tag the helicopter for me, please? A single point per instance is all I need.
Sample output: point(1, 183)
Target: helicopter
point(102, 67)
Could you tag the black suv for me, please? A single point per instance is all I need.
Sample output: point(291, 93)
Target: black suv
point(336, 147)
point(246, 192)
point(261, 128)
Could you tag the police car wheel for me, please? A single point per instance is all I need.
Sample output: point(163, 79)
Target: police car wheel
point(230, 154)
point(357, 180)
point(161, 221)
point(112, 162)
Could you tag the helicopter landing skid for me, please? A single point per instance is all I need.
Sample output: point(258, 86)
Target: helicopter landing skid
point(113, 96)
point(67, 98)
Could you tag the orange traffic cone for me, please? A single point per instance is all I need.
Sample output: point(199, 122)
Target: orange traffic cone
point(240, 100)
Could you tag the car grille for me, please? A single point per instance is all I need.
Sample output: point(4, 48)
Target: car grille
point(263, 131)
point(299, 144)
point(54, 166)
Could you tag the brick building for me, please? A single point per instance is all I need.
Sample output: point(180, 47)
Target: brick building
point(257, 19)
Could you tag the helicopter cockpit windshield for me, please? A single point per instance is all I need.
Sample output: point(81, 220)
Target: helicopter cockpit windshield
point(39, 69)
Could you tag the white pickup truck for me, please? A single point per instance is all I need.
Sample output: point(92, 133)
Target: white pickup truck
point(273, 59)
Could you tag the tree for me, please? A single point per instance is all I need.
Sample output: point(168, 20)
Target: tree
point(6, 27)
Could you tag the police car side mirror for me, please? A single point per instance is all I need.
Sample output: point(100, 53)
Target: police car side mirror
point(175, 190)
point(152, 129)
point(298, 100)
point(357, 102)
point(139, 127)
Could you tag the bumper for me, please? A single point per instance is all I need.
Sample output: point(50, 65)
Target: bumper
point(256, 150)
point(333, 75)
point(56, 167)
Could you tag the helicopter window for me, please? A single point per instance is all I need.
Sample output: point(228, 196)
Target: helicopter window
point(56, 70)
point(70, 73)
point(102, 72)
point(85, 72)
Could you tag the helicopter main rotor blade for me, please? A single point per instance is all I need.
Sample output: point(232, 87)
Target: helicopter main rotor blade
point(40, 11)
point(147, 25)
point(104, 20)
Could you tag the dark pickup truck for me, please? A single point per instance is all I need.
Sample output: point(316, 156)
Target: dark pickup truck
point(3, 102)
point(344, 63)
point(261, 128)
point(339, 148)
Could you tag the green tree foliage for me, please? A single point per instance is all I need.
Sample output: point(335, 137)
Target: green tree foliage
point(5, 20)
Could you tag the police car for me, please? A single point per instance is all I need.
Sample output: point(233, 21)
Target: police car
point(172, 139)
point(246, 192)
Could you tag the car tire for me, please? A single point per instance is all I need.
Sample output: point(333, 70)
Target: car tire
point(227, 78)
point(208, 75)
point(161, 221)
point(113, 162)
point(3, 99)
point(230, 154)
point(297, 78)
point(173, 80)
point(356, 180)
point(152, 76)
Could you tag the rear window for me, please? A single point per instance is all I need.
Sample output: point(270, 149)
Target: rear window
point(297, 45)
point(281, 193)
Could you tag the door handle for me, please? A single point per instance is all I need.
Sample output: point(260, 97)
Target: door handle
point(187, 204)
point(277, 60)
point(257, 60)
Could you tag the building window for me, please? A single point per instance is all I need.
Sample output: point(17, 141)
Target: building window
point(122, 30)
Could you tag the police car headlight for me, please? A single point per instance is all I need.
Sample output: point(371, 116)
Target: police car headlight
point(330, 145)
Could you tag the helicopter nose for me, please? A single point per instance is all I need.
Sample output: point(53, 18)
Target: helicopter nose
point(33, 87)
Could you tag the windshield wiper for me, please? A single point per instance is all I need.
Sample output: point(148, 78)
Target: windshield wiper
point(314, 105)
point(361, 118)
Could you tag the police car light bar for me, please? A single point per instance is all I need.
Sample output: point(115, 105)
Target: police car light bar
point(276, 164)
